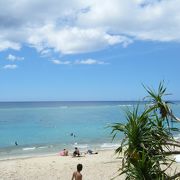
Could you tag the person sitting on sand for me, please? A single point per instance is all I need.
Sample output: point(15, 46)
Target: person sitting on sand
point(89, 151)
point(64, 152)
point(76, 152)
point(77, 174)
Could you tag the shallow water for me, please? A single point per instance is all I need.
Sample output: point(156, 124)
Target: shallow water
point(47, 127)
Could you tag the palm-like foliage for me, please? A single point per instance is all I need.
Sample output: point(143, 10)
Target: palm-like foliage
point(147, 139)
point(156, 98)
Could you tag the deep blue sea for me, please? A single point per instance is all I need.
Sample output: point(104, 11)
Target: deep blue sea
point(47, 127)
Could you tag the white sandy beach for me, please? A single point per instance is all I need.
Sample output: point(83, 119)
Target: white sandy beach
point(102, 166)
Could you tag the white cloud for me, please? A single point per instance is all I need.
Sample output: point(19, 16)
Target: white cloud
point(14, 58)
point(71, 40)
point(77, 26)
point(84, 62)
point(89, 62)
point(46, 53)
point(61, 62)
point(140, 19)
point(6, 44)
point(10, 66)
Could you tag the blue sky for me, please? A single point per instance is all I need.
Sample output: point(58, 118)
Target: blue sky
point(75, 51)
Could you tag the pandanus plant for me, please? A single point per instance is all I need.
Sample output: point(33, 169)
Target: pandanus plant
point(148, 139)
point(156, 98)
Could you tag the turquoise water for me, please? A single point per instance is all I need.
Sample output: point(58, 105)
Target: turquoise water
point(47, 127)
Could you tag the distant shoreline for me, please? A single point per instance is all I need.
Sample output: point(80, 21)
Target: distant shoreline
point(55, 101)
point(24, 104)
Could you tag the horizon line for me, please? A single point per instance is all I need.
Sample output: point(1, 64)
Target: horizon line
point(19, 101)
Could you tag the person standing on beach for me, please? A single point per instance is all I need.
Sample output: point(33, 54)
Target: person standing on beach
point(77, 174)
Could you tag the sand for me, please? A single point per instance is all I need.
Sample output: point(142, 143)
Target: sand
point(101, 166)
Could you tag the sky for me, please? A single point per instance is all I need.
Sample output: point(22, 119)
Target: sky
point(88, 50)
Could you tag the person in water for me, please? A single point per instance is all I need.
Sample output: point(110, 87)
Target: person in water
point(73, 135)
point(77, 174)
point(16, 143)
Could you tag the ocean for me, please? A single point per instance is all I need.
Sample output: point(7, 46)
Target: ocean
point(42, 128)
